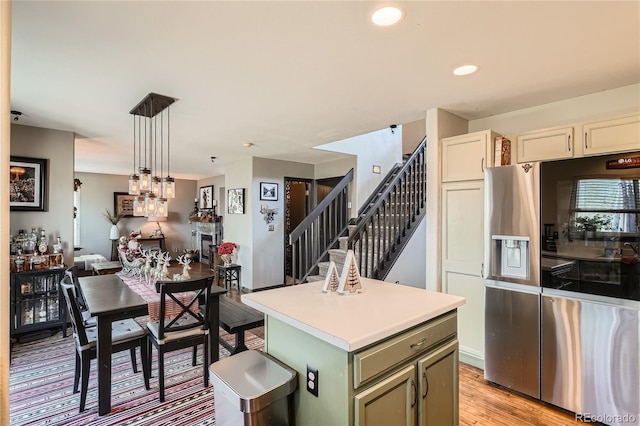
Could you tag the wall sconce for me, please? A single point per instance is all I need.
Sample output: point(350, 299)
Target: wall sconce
point(377, 169)
point(267, 214)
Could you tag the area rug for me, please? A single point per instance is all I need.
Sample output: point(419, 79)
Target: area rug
point(41, 382)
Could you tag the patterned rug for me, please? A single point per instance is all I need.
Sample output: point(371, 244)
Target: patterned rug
point(41, 382)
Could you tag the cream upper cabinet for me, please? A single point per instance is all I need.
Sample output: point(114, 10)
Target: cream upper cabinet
point(547, 144)
point(465, 157)
point(610, 136)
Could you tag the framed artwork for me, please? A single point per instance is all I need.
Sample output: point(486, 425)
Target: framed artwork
point(123, 203)
point(235, 201)
point(268, 191)
point(205, 197)
point(27, 184)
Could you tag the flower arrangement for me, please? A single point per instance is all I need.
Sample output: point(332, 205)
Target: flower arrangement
point(225, 250)
point(227, 247)
point(112, 218)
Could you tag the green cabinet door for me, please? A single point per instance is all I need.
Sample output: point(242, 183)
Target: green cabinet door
point(438, 387)
point(389, 402)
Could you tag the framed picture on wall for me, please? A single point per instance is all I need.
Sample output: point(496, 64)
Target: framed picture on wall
point(205, 197)
point(235, 201)
point(268, 191)
point(27, 184)
point(123, 203)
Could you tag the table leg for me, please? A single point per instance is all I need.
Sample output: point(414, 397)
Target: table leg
point(104, 365)
point(214, 330)
point(240, 345)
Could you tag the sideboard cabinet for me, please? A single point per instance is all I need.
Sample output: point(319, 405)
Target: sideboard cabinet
point(35, 303)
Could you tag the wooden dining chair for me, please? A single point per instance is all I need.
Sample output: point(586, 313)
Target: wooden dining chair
point(87, 319)
point(183, 322)
point(125, 334)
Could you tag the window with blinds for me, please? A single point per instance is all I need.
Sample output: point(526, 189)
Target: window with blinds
point(606, 204)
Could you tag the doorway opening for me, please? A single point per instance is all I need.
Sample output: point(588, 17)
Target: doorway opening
point(298, 203)
point(301, 196)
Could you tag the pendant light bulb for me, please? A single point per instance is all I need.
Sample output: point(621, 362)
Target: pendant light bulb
point(134, 184)
point(138, 206)
point(169, 187)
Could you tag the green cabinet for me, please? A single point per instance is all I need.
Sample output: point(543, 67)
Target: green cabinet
point(410, 378)
point(423, 393)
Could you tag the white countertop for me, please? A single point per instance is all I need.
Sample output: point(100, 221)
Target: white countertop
point(354, 321)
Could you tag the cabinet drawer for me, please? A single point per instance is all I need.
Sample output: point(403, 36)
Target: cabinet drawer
point(376, 360)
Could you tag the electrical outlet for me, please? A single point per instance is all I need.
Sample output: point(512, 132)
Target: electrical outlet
point(312, 380)
point(271, 228)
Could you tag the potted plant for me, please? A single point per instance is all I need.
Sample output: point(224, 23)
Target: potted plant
point(591, 224)
point(113, 218)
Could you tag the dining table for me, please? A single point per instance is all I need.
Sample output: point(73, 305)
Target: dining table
point(109, 299)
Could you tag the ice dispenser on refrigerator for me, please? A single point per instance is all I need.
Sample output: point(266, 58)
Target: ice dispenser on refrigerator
point(511, 257)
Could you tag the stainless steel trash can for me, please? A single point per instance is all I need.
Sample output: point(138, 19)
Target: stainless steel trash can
point(252, 388)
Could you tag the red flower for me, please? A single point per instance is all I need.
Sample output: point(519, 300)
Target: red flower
point(227, 248)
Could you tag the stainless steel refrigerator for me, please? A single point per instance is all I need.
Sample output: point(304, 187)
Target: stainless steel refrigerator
point(512, 277)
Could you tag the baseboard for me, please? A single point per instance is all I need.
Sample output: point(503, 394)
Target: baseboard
point(471, 360)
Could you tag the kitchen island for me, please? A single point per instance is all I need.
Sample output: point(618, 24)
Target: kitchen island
point(385, 356)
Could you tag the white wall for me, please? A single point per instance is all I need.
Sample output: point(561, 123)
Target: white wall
point(382, 148)
point(218, 183)
point(5, 138)
point(440, 124)
point(57, 147)
point(335, 168)
point(268, 246)
point(238, 228)
point(412, 135)
point(600, 105)
point(408, 269)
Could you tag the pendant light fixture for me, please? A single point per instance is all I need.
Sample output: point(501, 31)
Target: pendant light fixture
point(168, 183)
point(151, 189)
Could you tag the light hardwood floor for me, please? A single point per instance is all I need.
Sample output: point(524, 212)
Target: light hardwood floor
point(484, 404)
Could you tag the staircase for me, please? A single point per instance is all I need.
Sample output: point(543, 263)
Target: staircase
point(384, 225)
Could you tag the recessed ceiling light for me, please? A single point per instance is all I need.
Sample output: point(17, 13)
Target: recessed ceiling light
point(465, 70)
point(386, 16)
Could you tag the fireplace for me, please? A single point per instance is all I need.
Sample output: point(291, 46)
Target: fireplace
point(206, 237)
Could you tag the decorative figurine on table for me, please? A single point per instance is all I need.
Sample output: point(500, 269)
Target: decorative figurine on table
point(163, 265)
point(130, 255)
point(350, 278)
point(184, 261)
point(332, 281)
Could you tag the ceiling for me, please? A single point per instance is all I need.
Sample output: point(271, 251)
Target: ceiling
point(290, 75)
